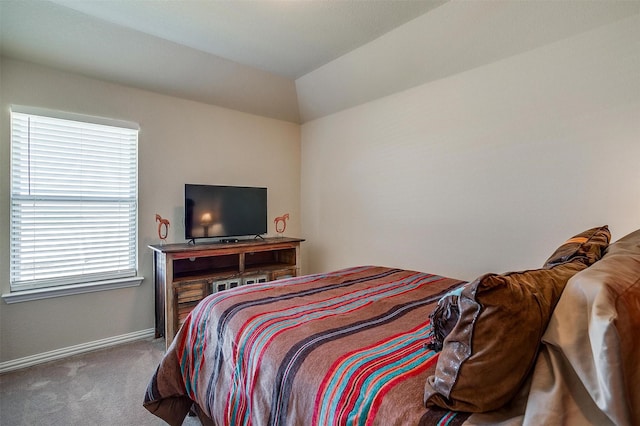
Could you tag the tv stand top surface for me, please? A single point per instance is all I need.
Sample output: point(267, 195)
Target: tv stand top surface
point(226, 243)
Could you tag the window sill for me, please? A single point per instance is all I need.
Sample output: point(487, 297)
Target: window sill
point(67, 290)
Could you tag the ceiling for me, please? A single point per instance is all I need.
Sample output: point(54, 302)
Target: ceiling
point(292, 60)
point(288, 38)
point(218, 52)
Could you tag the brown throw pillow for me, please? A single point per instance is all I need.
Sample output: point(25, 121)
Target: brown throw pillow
point(488, 354)
point(586, 245)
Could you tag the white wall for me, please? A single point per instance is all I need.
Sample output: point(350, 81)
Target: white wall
point(485, 171)
point(180, 141)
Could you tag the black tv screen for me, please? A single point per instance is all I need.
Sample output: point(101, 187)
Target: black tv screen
point(213, 211)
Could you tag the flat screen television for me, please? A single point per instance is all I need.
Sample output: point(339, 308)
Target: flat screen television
point(215, 211)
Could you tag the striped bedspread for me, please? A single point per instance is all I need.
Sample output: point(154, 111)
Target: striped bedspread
point(344, 348)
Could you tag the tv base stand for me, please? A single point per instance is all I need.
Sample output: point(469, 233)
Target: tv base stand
point(184, 274)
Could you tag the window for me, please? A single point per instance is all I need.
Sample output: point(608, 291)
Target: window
point(74, 188)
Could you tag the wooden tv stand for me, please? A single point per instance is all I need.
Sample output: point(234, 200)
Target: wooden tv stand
point(184, 274)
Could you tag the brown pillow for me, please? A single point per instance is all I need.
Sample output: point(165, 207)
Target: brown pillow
point(586, 245)
point(488, 354)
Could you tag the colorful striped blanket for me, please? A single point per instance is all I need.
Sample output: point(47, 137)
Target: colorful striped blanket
point(344, 348)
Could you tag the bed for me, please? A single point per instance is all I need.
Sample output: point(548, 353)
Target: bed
point(354, 347)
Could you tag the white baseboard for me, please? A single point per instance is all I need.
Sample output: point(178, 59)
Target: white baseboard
point(43, 357)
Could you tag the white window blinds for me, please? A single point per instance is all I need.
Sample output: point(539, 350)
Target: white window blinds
point(73, 201)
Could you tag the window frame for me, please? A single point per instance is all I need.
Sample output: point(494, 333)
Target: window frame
point(72, 284)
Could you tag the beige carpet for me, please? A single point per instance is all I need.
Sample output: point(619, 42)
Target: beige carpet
point(105, 387)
